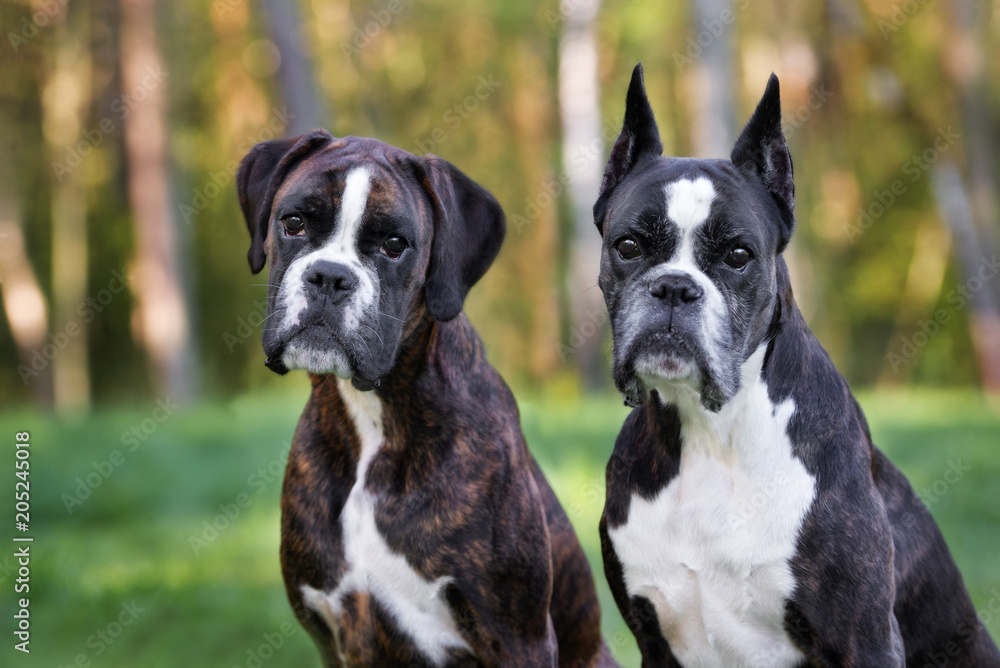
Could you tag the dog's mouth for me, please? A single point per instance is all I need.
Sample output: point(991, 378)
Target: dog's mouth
point(311, 346)
point(275, 363)
point(673, 367)
point(664, 359)
point(668, 359)
point(315, 346)
point(274, 350)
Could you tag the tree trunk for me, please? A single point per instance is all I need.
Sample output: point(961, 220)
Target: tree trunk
point(970, 205)
point(161, 321)
point(972, 258)
point(974, 42)
point(65, 102)
point(298, 87)
point(714, 127)
point(23, 300)
point(581, 126)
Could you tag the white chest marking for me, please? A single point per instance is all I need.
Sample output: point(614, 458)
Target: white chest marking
point(416, 605)
point(711, 551)
point(341, 247)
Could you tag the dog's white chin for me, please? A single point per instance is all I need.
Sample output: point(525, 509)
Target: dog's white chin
point(666, 370)
point(316, 361)
point(667, 367)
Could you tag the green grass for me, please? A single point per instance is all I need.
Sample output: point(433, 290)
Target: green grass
point(130, 540)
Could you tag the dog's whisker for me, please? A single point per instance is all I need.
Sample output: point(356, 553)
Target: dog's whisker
point(391, 317)
point(375, 332)
point(365, 343)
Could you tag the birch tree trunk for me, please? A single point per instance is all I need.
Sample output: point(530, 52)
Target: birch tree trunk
point(583, 153)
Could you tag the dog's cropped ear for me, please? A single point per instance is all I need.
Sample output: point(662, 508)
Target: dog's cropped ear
point(639, 140)
point(469, 227)
point(260, 175)
point(761, 151)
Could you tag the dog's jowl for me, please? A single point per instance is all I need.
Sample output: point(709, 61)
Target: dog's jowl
point(417, 529)
point(749, 519)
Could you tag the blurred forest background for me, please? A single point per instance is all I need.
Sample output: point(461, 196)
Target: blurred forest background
point(130, 312)
point(122, 249)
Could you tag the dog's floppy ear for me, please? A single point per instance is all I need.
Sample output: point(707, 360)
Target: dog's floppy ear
point(761, 151)
point(260, 175)
point(469, 227)
point(639, 140)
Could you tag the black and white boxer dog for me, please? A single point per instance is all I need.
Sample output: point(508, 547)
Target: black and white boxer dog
point(749, 520)
point(417, 529)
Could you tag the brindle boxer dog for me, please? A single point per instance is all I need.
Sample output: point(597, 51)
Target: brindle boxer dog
point(417, 529)
point(749, 520)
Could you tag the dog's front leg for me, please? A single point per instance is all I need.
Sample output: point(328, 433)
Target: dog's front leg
point(876, 646)
point(842, 610)
point(501, 595)
point(638, 612)
point(501, 630)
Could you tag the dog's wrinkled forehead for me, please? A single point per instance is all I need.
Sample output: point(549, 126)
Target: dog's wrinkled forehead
point(679, 197)
point(352, 186)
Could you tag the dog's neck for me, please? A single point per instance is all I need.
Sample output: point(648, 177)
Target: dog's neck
point(429, 386)
point(433, 358)
point(714, 429)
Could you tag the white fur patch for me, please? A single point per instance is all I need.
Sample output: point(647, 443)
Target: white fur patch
point(689, 203)
point(654, 368)
point(341, 247)
point(688, 206)
point(320, 361)
point(416, 605)
point(711, 551)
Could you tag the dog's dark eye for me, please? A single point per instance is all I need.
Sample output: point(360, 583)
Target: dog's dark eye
point(393, 247)
point(628, 249)
point(738, 258)
point(294, 225)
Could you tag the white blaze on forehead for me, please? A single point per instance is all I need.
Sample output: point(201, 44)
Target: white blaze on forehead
point(689, 202)
point(688, 205)
point(357, 185)
point(341, 247)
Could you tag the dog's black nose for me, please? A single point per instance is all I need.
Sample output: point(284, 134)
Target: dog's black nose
point(675, 289)
point(332, 279)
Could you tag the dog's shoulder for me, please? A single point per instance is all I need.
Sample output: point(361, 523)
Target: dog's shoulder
point(646, 457)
